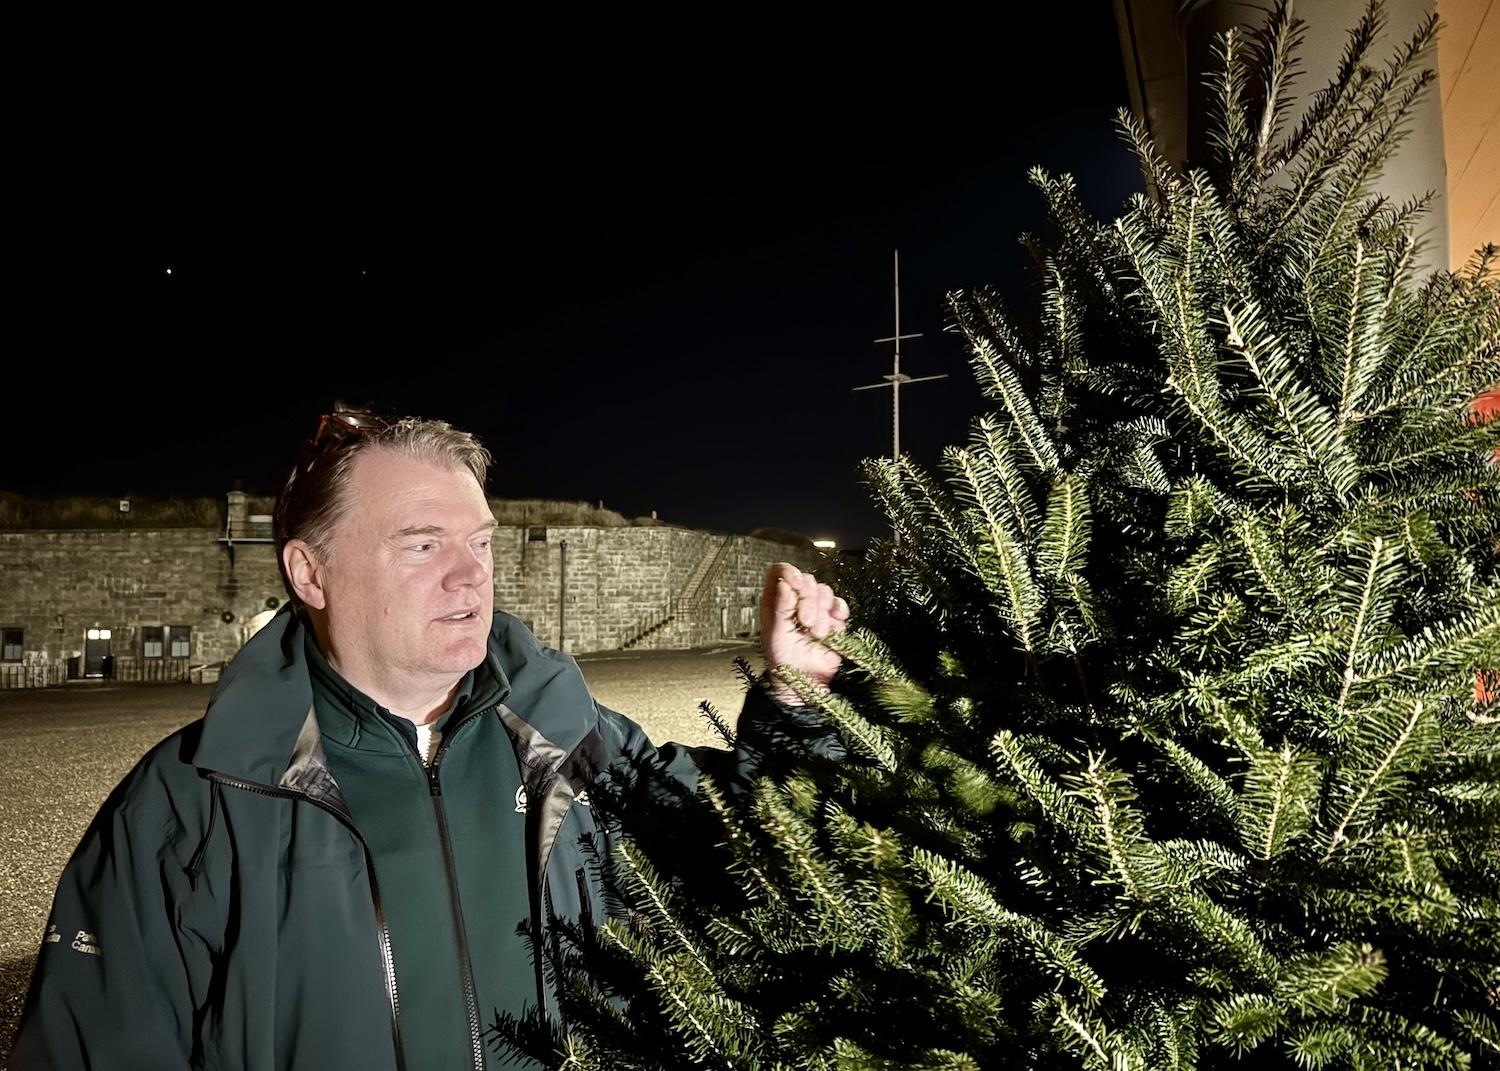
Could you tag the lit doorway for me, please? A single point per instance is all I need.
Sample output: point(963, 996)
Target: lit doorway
point(95, 651)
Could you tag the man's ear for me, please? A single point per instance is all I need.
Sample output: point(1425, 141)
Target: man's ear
point(304, 568)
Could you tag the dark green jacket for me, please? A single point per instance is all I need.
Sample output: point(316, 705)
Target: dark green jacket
point(222, 910)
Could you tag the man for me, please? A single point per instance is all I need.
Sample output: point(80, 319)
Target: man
point(329, 869)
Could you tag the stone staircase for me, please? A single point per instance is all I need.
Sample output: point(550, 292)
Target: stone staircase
point(650, 626)
point(695, 594)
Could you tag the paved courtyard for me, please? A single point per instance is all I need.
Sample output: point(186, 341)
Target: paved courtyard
point(65, 748)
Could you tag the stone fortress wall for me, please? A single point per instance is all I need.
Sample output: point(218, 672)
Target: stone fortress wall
point(583, 579)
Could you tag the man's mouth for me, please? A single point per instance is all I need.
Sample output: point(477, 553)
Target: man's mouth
point(463, 615)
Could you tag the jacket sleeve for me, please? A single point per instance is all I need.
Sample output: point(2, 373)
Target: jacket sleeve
point(110, 989)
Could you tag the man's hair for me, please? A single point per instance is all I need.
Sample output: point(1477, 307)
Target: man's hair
point(315, 496)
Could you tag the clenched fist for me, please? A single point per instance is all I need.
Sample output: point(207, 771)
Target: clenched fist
point(793, 600)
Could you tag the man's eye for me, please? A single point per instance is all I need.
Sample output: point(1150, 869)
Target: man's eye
point(421, 546)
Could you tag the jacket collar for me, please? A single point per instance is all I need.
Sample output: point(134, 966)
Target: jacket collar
point(263, 702)
point(348, 716)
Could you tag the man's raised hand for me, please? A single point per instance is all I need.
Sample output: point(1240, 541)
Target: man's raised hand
point(793, 601)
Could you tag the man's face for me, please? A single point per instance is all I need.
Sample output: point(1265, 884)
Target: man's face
point(409, 588)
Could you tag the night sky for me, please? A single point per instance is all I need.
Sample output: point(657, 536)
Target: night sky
point(646, 279)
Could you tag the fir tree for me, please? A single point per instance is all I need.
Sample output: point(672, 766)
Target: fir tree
point(1158, 744)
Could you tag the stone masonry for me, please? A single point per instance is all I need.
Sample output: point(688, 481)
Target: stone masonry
point(648, 586)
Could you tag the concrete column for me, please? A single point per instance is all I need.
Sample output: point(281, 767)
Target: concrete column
point(1417, 166)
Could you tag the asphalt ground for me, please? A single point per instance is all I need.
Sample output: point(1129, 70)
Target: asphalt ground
point(64, 749)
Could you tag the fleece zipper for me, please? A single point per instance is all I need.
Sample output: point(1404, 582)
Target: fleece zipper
point(460, 934)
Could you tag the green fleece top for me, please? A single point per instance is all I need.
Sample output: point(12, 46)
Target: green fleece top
point(471, 796)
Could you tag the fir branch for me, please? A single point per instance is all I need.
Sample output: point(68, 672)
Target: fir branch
point(866, 651)
point(885, 481)
point(996, 444)
point(966, 899)
point(1001, 381)
point(1192, 503)
point(1053, 801)
point(1241, 444)
point(1212, 788)
point(1298, 656)
point(999, 551)
point(1160, 178)
point(1063, 547)
point(1447, 438)
point(794, 839)
point(745, 672)
point(686, 1006)
point(1118, 830)
point(1380, 130)
point(1371, 597)
point(1375, 1037)
point(863, 736)
point(1219, 928)
point(1481, 1029)
point(981, 314)
point(721, 727)
point(1191, 582)
point(642, 879)
point(1278, 42)
point(1321, 132)
point(970, 784)
point(1230, 136)
point(1312, 427)
point(1245, 1020)
point(1280, 582)
point(1446, 648)
point(1279, 800)
point(1089, 1037)
point(1065, 343)
point(747, 854)
point(1348, 393)
point(1367, 782)
point(879, 857)
point(1434, 372)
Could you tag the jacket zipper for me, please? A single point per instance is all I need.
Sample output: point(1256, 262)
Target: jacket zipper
point(460, 934)
point(387, 962)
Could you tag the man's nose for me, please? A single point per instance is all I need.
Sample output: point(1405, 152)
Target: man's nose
point(466, 569)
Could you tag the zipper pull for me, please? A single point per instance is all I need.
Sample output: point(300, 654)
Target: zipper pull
point(433, 785)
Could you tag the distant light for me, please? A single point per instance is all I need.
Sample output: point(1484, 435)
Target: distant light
point(169, 271)
point(825, 544)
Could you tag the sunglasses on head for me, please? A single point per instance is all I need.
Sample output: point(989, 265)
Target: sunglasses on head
point(348, 420)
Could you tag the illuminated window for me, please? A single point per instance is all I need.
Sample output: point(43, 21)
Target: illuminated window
point(151, 641)
point(11, 644)
point(182, 641)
